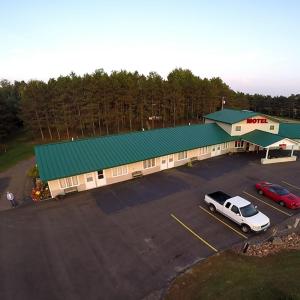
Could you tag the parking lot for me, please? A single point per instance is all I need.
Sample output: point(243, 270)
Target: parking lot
point(126, 241)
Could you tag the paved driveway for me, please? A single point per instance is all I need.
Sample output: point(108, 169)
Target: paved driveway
point(126, 241)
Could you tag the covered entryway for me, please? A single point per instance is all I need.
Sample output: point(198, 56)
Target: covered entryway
point(268, 141)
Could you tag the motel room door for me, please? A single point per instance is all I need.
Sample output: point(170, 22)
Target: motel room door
point(213, 150)
point(101, 180)
point(171, 161)
point(164, 163)
point(167, 162)
point(90, 181)
point(218, 151)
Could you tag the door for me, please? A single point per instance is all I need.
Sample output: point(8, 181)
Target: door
point(213, 150)
point(164, 163)
point(90, 181)
point(101, 180)
point(218, 151)
point(232, 212)
point(171, 161)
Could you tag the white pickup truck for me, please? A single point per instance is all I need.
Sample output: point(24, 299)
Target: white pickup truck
point(238, 210)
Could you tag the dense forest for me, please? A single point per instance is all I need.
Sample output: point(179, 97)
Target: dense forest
point(99, 104)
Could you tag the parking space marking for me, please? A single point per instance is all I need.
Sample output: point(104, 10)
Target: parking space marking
point(236, 231)
point(194, 233)
point(268, 204)
point(294, 186)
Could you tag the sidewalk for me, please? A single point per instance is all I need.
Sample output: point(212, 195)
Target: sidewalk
point(16, 181)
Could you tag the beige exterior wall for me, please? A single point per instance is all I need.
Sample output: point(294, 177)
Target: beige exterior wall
point(247, 127)
point(226, 127)
point(289, 144)
point(55, 188)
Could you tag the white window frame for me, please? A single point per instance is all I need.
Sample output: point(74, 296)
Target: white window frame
point(119, 171)
point(182, 155)
point(149, 163)
point(203, 150)
point(239, 144)
point(238, 128)
point(68, 182)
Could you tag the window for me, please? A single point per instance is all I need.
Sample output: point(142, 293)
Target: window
point(239, 144)
point(238, 128)
point(68, 182)
point(149, 163)
point(89, 177)
point(119, 171)
point(171, 158)
point(203, 150)
point(272, 127)
point(227, 204)
point(100, 174)
point(182, 155)
point(235, 209)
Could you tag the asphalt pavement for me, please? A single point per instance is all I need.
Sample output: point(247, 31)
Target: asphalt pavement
point(128, 240)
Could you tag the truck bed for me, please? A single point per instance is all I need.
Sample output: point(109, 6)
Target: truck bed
point(219, 197)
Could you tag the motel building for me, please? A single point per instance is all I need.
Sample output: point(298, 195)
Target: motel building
point(90, 163)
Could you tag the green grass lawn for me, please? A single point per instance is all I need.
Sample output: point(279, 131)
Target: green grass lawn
point(231, 276)
point(18, 148)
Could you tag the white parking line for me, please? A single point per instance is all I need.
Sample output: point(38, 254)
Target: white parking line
point(268, 204)
point(294, 186)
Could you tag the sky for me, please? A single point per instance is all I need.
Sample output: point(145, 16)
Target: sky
point(254, 46)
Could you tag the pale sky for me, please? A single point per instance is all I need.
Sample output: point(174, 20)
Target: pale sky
point(254, 46)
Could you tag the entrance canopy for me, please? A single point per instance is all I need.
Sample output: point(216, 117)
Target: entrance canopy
point(267, 140)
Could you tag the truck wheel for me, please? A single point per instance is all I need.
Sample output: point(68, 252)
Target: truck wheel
point(245, 228)
point(281, 203)
point(212, 208)
point(260, 192)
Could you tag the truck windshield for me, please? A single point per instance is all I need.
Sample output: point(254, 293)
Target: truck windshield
point(248, 211)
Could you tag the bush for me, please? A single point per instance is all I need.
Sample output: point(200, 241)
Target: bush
point(33, 172)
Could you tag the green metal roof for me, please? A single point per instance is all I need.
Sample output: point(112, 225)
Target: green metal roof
point(261, 138)
point(82, 156)
point(290, 130)
point(231, 116)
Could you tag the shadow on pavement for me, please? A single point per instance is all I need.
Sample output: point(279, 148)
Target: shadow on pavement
point(138, 191)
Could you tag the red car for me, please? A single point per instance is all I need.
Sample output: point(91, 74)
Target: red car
point(278, 194)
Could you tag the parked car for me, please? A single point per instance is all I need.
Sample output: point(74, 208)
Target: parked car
point(278, 194)
point(239, 210)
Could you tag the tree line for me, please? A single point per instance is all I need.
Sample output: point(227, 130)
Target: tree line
point(100, 104)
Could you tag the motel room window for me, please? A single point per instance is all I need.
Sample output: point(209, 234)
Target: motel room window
point(182, 155)
point(100, 174)
point(149, 163)
point(239, 144)
point(68, 182)
point(238, 128)
point(119, 171)
point(272, 127)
